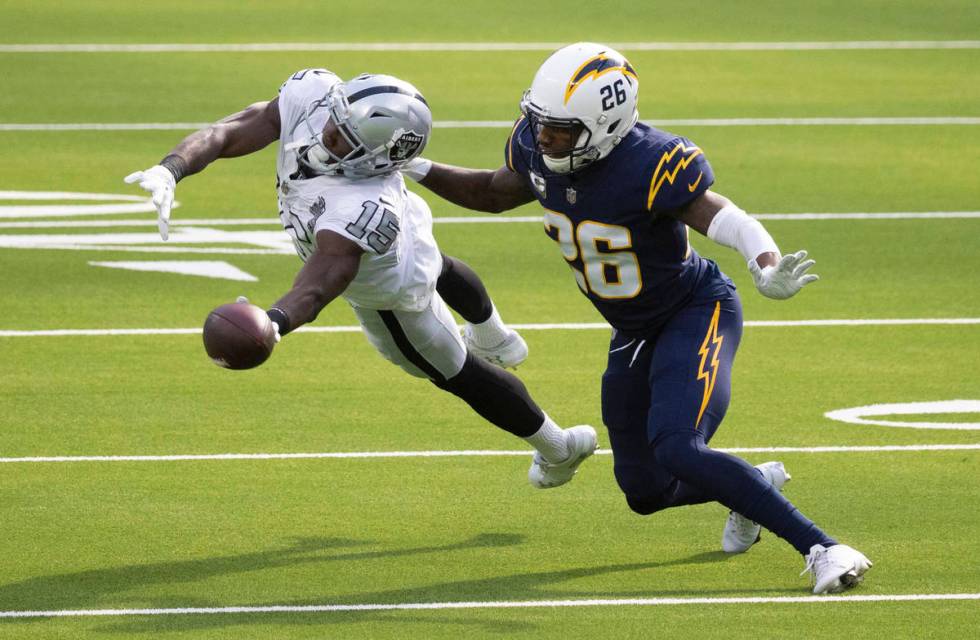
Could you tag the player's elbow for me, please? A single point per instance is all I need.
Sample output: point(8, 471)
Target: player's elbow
point(317, 291)
point(340, 276)
point(495, 206)
point(498, 203)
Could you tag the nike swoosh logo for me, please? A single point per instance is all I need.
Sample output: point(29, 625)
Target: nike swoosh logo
point(692, 187)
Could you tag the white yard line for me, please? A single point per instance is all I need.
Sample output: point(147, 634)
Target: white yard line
point(747, 122)
point(465, 454)
point(877, 215)
point(567, 326)
point(505, 604)
point(473, 219)
point(507, 124)
point(842, 45)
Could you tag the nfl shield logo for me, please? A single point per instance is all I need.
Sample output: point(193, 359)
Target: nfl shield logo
point(570, 195)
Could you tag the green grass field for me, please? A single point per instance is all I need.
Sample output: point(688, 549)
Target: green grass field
point(331, 534)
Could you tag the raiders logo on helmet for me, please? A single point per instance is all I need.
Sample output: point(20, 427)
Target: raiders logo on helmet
point(405, 146)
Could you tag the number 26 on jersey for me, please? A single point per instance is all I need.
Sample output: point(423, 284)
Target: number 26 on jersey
point(612, 272)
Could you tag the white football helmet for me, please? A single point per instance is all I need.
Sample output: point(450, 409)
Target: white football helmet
point(385, 120)
point(588, 85)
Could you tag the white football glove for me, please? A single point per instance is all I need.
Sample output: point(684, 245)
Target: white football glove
point(161, 184)
point(786, 278)
point(275, 325)
point(416, 169)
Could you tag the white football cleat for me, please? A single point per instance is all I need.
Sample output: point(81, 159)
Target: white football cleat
point(741, 533)
point(582, 443)
point(835, 568)
point(511, 352)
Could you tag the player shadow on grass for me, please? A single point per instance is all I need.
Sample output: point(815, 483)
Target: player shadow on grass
point(544, 585)
point(107, 588)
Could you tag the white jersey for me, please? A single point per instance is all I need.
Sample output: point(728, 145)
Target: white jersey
point(401, 260)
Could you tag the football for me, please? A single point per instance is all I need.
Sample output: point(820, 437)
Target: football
point(239, 336)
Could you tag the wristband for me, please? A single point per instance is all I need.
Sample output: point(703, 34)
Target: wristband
point(279, 316)
point(175, 165)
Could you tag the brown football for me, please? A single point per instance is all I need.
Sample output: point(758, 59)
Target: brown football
point(239, 336)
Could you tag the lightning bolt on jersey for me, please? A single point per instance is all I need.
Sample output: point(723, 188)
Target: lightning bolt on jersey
point(401, 261)
point(632, 262)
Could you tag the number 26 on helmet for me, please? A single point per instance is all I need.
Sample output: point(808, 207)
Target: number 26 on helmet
point(586, 88)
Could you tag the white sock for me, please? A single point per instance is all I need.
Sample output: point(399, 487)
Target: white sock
point(490, 332)
point(551, 440)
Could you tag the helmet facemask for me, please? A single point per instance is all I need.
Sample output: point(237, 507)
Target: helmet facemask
point(578, 156)
point(317, 157)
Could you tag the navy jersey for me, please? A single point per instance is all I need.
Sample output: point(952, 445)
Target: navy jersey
point(632, 262)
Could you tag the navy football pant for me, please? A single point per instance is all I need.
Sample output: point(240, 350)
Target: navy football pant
point(662, 400)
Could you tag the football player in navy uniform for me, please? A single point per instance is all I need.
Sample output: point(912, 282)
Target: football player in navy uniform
point(363, 236)
point(619, 199)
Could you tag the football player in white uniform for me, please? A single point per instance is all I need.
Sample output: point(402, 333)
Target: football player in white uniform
point(362, 235)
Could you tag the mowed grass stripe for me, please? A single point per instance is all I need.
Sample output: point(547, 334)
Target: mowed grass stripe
point(126, 88)
point(464, 454)
point(523, 604)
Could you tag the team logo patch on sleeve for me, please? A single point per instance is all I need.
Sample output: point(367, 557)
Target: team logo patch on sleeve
point(673, 164)
point(318, 207)
point(405, 146)
point(316, 210)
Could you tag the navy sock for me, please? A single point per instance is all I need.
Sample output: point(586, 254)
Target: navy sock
point(737, 485)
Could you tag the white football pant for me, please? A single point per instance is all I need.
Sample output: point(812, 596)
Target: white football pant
point(426, 343)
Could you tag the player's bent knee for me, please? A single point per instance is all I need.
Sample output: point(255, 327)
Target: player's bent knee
point(645, 505)
point(466, 381)
point(640, 489)
point(398, 359)
point(478, 379)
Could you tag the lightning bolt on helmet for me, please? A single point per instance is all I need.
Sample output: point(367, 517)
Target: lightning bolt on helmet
point(588, 85)
point(385, 120)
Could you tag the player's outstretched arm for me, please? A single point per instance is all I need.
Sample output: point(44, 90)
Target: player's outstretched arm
point(477, 189)
point(778, 277)
point(251, 129)
point(325, 276)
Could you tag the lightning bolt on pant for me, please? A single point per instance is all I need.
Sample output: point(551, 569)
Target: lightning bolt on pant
point(677, 379)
